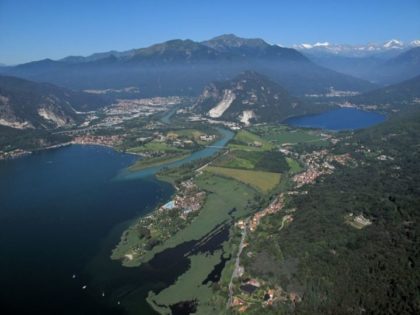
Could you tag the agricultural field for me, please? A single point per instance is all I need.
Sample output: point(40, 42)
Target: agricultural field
point(155, 161)
point(193, 134)
point(247, 141)
point(154, 146)
point(268, 161)
point(260, 180)
point(280, 134)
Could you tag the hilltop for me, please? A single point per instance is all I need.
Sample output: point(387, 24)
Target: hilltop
point(26, 104)
point(248, 98)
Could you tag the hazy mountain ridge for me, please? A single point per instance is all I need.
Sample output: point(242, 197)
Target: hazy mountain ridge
point(184, 67)
point(402, 67)
point(387, 49)
point(391, 66)
point(393, 97)
point(25, 104)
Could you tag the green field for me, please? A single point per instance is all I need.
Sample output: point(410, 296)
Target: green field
point(189, 133)
point(245, 140)
point(268, 161)
point(149, 162)
point(262, 181)
point(293, 165)
point(154, 146)
point(279, 134)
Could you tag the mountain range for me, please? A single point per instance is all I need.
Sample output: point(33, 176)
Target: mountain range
point(380, 68)
point(184, 67)
point(253, 81)
point(389, 48)
point(26, 104)
point(393, 97)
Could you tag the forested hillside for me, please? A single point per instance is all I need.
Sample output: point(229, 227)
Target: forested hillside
point(334, 266)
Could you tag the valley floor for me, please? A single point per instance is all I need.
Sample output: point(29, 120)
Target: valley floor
point(232, 192)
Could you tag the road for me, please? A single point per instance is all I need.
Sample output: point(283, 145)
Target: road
point(235, 272)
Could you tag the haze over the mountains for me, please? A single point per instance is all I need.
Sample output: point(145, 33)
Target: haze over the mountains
point(386, 63)
point(184, 67)
point(388, 48)
point(240, 79)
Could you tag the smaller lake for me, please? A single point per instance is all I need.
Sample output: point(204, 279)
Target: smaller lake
point(338, 119)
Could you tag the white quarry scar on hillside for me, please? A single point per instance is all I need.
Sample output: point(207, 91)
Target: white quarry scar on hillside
point(223, 105)
point(246, 116)
point(51, 116)
point(15, 124)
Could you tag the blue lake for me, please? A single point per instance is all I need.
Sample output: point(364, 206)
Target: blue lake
point(338, 119)
point(57, 209)
point(62, 211)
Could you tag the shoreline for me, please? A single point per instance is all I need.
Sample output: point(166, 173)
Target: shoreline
point(23, 153)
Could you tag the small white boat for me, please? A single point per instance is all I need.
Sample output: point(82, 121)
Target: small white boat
point(84, 287)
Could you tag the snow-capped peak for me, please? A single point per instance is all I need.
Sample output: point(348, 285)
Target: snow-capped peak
point(415, 43)
point(393, 43)
point(390, 47)
point(307, 46)
point(324, 44)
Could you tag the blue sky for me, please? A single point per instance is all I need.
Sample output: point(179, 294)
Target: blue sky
point(38, 29)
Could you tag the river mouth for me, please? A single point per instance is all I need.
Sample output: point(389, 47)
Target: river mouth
point(341, 119)
point(226, 135)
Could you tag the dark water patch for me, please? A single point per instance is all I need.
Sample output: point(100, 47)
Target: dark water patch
point(167, 266)
point(338, 119)
point(212, 241)
point(215, 275)
point(184, 308)
point(61, 213)
point(178, 256)
point(132, 285)
point(56, 209)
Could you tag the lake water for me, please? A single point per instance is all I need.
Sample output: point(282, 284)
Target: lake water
point(338, 119)
point(61, 213)
point(56, 209)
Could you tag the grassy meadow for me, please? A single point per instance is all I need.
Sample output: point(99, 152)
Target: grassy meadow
point(260, 180)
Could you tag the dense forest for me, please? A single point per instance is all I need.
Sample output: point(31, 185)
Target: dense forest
point(339, 269)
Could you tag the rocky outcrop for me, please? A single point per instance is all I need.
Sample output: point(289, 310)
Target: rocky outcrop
point(248, 98)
